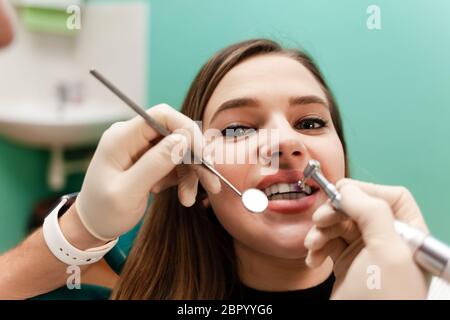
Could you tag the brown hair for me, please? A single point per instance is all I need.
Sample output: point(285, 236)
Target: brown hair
point(185, 253)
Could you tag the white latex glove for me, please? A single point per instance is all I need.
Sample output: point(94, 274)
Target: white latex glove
point(129, 163)
point(371, 261)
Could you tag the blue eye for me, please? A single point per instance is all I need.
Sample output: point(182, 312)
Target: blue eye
point(310, 124)
point(236, 131)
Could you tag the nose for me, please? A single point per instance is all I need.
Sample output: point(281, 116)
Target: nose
point(287, 147)
point(290, 153)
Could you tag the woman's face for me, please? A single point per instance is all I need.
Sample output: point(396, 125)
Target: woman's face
point(271, 92)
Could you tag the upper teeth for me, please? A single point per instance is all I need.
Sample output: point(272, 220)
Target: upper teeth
point(286, 187)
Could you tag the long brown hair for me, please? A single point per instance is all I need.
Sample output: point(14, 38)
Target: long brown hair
point(185, 253)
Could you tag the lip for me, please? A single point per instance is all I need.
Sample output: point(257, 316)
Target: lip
point(293, 206)
point(289, 206)
point(284, 176)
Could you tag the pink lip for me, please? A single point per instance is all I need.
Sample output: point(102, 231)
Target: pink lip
point(288, 206)
point(293, 206)
point(283, 176)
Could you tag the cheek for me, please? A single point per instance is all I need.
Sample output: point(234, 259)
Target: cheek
point(227, 207)
point(330, 153)
point(227, 200)
point(278, 238)
point(284, 237)
point(236, 162)
point(227, 204)
point(243, 226)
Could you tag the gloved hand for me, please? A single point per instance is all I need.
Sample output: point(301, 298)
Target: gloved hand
point(371, 261)
point(129, 163)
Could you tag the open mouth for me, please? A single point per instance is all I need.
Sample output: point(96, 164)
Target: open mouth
point(288, 191)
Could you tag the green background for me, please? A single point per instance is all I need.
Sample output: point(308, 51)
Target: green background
point(392, 86)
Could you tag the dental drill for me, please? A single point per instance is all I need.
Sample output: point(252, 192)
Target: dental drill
point(428, 252)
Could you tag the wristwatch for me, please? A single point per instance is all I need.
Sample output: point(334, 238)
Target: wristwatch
point(58, 244)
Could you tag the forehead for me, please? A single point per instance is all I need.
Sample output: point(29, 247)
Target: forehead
point(270, 78)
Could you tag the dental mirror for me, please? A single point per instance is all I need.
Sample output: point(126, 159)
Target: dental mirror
point(255, 200)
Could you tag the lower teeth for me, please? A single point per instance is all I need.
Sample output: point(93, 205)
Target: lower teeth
point(288, 196)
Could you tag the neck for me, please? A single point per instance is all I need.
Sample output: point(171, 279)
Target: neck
point(268, 273)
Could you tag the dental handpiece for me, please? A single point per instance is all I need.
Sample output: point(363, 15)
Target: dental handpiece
point(428, 252)
point(254, 200)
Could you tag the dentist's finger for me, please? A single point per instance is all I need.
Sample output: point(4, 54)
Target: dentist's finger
point(317, 238)
point(326, 216)
point(373, 216)
point(124, 140)
point(154, 165)
point(168, 181)
point(399, 198)
point(390, 194)
point(333, 249)
point(208, 180)
point(187, 185)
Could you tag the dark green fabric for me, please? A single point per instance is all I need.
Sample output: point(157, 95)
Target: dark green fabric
point(118, 255)
point(86, 292)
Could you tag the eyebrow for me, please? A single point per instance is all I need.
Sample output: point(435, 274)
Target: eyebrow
point(250, 102)
point(310, 99)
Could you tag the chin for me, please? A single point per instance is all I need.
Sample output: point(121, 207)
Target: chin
point(289, 245)
point(289, 253)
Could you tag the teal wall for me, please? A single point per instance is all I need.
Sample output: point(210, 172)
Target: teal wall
point(23, 174)
point(392, 85)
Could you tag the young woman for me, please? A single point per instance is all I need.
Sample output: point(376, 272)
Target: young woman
point(199, 242)
point(213, 247)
